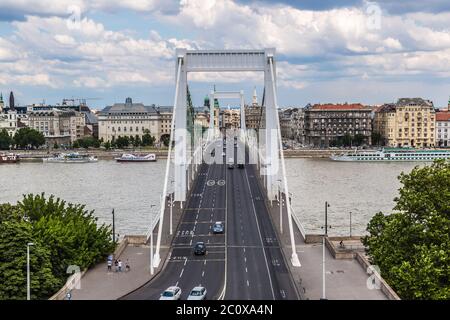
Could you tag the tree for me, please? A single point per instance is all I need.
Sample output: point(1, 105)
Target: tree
point(147, 139)
point(165, 140)
point(63, 234)
point(377, 138)
point(122, 142)
point(412, 245)
point(347, 140)
point(26, 137)
point(55, 146)
point(137, 141)
point(358, 139)
point(5, 140)
point(107, 145)
point(76, 144)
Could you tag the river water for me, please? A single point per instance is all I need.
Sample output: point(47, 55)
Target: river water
point(130, 188)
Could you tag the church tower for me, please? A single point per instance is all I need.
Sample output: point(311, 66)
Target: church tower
point(254, 98)
point(2, 105)
point(11, 101)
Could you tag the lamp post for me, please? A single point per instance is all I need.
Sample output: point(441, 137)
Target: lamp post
point(327, 205)
point(171, 209)
point(350, 224)
point(151, 241)
point(28, 269)
point(114, 228)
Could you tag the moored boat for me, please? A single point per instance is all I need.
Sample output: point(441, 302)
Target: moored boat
point(9, 158)
point(128, 157)
point(392, 154)
point(70, 158)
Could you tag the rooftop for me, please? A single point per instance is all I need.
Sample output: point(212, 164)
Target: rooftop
point(443, 116)
point(345, 106)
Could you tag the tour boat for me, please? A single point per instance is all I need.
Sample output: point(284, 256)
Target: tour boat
point(128, 157)
point(71, 158)
point(393, 154)
point(9, 158)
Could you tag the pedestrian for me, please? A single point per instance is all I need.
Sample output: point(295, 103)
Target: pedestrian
point(109, 265)
point(127, 266)
point(116, 265)
point(120, 265)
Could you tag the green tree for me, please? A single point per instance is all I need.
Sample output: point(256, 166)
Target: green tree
point(26, 137)
point(76, 144)
point(377, 138)
point(137, 141)
point(107, 145)
point(412, 245)
point(148, 139)
point(358, 139)
point(165, 140)
point(5, 140)
point(122, 142)
point(131, 139)
point(347, 140)
point(55, 146)
point(63, 234)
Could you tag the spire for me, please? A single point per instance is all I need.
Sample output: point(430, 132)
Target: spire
point(255, 97)
point(11, 101)
point(1, 98)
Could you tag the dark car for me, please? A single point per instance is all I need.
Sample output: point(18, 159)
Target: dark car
point(231, 166)
point(218, 227)
point(241, 166)
point(200, 248)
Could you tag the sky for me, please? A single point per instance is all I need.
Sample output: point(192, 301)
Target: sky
point(326, 51)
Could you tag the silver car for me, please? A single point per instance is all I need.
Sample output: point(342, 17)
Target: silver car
point(197, 293)
point(171, 293)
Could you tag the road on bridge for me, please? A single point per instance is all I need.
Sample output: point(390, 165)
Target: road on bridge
point(245, 263)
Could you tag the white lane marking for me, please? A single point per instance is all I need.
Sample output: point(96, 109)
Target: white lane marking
point(176, 284)
point(246, 269)
point(185, 261)
point(259, 232)
point(204, 263)
point(182, 270)
point(244, 250)
point(245, 259)
point(190, 242)
point(248, 284)
point(203, 274)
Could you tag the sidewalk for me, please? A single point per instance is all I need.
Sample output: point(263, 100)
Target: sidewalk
point(345, 279)
point(99, 284)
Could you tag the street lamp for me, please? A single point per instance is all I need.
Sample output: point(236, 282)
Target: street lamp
point(280, 201)
point(28, 269)
point(327, 205)
point(350, 224)
point(171, 208)
point(152, 271)
point(114, 228)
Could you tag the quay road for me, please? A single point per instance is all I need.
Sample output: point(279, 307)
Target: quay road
point(245, 263)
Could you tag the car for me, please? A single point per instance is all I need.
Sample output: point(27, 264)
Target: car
point(218, 227)
point(240, 165)
point(199, 248)
point(197, 293)
point(223, 154)
point(171, 293)
point(231, 166)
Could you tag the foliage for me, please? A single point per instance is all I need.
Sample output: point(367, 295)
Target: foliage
point(64, 234)
point(147, 139)
point(87, 142)
point(122, 142)
point(26, 137)
point(165, 140)
point(107, 145)
point(377, 138)
point(5, 140)
point(55, 146)
point(412, 245)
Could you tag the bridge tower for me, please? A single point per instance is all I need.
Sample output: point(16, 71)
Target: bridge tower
point(270, 147)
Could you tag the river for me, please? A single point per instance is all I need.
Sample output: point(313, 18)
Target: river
point(130, 188)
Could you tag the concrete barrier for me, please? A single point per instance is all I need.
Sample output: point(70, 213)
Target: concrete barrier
point(384, 286)
point(68, 286)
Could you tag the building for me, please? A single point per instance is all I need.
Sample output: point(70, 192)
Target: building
point(58, 126)
point(11, 101)
point(328, 125)
point(216, 116)
point(9, 120)
point(134, 119)
point(292, 124)
point(230, 118)
point(408, 123)
point(443, 127)
point(254, 114)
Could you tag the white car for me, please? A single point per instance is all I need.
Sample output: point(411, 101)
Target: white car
point(171, 293)
point(197, 293)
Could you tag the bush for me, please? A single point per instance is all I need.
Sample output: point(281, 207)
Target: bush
point(64, 234)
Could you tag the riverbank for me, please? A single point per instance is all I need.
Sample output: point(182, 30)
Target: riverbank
point(37, 155)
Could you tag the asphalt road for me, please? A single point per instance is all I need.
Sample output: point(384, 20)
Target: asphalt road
point(245, 263)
